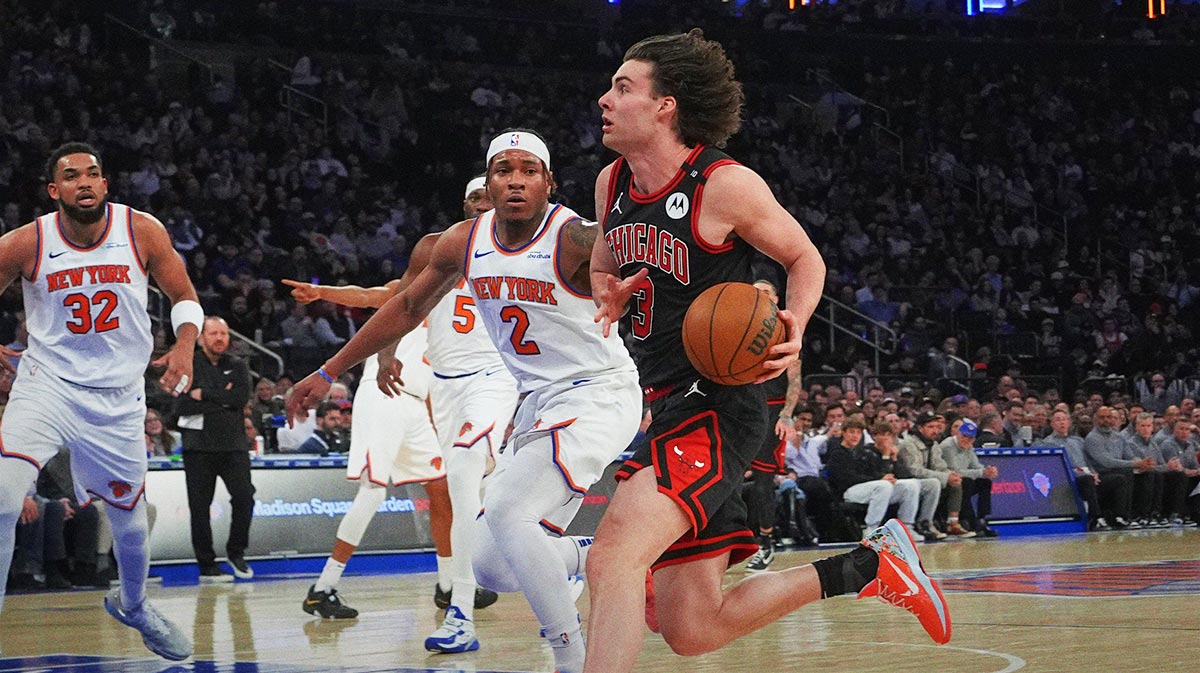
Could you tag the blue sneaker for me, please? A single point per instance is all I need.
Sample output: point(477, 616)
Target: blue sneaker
point(160, 635)
point(456, 634)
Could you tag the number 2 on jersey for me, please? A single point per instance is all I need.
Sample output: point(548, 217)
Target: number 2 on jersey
point(520, 320)
point(81, 310)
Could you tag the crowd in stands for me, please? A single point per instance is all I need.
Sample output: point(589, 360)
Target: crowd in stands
point(1134, 468)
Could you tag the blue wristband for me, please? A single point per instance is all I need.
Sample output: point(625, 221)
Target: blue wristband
point(325, 375)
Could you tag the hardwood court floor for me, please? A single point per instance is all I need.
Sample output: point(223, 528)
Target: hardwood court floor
point(1125, 601)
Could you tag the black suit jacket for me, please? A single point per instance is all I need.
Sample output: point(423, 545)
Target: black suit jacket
point(224, 391)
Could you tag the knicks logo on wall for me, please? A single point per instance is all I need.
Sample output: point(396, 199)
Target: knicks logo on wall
point(677, 206)
point(119, 489)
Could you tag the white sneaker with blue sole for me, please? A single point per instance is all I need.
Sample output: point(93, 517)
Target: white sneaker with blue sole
point(456, 634)
point(161, 636)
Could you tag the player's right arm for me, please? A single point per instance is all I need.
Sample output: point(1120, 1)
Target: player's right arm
point(18, 257)
point(609, 291)
point(398, 316)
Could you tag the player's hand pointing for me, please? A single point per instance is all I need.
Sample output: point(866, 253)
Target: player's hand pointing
point(305, 293)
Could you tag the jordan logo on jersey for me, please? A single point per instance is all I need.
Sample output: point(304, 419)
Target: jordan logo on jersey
point(646, 243)
point(95, 275)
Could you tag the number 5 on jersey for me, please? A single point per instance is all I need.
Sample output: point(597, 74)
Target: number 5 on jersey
point(81, 310)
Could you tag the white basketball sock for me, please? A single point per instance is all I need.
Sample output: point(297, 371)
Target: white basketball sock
point(131, 532)
point(443, 572)
point(464, 472)
point(331, 575)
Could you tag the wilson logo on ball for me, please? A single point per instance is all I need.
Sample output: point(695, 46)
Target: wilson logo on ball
point(762, 340)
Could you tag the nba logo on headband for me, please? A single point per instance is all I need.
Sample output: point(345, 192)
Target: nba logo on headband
point(520, 141)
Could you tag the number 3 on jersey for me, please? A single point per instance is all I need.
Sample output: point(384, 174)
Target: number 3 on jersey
point(641, 314)
point(520, 320)
point(81, 310)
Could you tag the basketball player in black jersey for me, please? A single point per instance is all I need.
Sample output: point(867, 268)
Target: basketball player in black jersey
point(679, 216)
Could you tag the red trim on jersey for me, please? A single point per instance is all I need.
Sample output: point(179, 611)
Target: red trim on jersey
point(612, 190)
point(137, 256)
point(697, 197)
point(131, 505)
point(651, 198)
point(14, 454)
point(552, 528)
point(563, 282)
point(512, 252)
point(37, 264)
point(103, 236)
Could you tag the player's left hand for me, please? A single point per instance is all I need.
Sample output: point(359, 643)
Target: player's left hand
point(784, 354)
point(177, 380)
point(613, 295)
point(785, 430)
point(388, 376)
point(306, 394)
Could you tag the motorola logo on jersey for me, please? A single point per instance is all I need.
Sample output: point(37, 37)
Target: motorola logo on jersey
point(646, 243)
point(677, 206)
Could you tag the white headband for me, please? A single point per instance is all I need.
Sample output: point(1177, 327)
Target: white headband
point(519, 140)
point(475, 183)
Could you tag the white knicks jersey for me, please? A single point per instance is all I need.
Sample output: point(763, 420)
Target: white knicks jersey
point(458, 342)
point(542, 327)
point(85, 308)
point(415, 373)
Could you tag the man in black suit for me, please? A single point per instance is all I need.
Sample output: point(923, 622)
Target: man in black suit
point(214, 445)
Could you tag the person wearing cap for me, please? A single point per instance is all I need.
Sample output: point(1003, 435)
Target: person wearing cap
point(527, 265)
point(469, 387)
point(924, 461)
point(958, 450)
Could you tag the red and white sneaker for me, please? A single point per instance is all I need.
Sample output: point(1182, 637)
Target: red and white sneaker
point(901, 580)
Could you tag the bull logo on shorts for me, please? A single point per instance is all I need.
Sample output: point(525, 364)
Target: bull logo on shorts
point(688, 463)
point(436, 462)
point(119, 489)
point(466, 427)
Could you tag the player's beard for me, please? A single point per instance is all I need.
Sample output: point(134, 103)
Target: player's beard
point(85, 215)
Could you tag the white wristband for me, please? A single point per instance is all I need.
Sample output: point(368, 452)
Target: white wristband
point(187, 312)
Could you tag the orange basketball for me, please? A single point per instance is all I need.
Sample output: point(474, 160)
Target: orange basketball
point(728, 331)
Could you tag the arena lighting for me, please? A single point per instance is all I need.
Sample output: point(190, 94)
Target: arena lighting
point(1150, 11)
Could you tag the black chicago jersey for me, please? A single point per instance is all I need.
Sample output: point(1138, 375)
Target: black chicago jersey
point(659, 232)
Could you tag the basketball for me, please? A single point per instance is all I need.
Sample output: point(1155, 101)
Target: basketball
point(728, 332)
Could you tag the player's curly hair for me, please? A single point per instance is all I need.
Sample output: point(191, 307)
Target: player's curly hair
point(698, 74)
